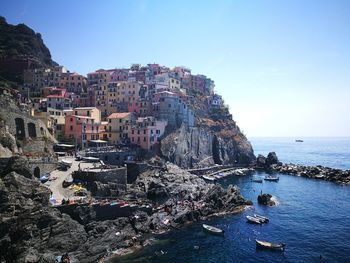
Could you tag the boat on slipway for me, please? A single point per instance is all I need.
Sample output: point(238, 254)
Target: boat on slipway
point(268, 245)
point(213, 230)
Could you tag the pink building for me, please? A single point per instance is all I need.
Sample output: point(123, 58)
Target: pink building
point(146, 132)
point(83, 125)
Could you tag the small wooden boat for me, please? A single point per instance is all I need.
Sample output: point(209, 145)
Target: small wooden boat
point(299, 140)
point(257, 180)
point(262, 218)
point(268, 245)
point(213, 230)
point(254, 220)
point(271, 178)
point(209, 178)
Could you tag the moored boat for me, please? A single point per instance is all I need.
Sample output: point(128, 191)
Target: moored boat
point(299, 140)
point(269, 245)
point(213, 230)
point(254, 220)
point(209, 178)
point(91, 159)
point(271, 178)
point(262, 218)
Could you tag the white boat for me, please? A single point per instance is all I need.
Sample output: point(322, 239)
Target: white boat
point(209, 178)
point(271, 178)
point(213, 230)
point(262, 218)
point(254, 220)
point(91, 159)
point(269, 245)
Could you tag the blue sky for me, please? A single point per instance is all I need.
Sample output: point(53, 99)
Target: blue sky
point(283, 67)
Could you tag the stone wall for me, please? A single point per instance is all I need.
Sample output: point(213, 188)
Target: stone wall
point(98, 212)
point(24, 127)
point(42, 165)
point(36, 166)
point(117, 175)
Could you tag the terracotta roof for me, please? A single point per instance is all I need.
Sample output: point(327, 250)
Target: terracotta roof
point(119, 115)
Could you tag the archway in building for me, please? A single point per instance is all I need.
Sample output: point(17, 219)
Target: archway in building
point(20, 131)
point(31, 130)
point(37, 172)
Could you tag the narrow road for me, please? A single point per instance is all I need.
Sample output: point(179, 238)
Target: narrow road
point(58, 192)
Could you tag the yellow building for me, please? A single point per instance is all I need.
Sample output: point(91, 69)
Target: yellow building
point(117, 125)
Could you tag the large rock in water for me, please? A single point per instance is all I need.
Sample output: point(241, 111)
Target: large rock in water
point(266, 199)
point(201, 147)
point(272, 158)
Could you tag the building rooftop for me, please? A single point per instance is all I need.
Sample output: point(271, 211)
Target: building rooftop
point(85, 108)
point(119, 115)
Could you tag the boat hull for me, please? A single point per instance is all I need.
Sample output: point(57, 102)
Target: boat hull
point(213, 230)
point(270, 246)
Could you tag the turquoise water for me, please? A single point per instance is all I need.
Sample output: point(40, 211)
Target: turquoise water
point(312, 217)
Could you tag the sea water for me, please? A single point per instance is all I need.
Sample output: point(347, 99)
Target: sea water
point(312, 216)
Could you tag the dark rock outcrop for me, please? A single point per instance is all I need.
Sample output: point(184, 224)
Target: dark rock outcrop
point(20, 48)
point(266, 162)
point(315, 172)
point(271, 158)
point(33, 231)
point(272, 164)
point(200, 147)
point(266, 199)
point(185, 197)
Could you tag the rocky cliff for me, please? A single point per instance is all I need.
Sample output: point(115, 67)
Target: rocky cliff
point(33, 231)
point(203, 146)
point(20, 48)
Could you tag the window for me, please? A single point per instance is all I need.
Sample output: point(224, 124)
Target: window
point(144, 131)
point(71, 128)
point(157, 131)
point(71, 119)
point(138, 139)
point(132, 132)
point(169, 105)
point(88, 113)
point(138, 131)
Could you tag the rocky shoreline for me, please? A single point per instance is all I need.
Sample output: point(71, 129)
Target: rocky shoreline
point(271, 164)
point(34, 231)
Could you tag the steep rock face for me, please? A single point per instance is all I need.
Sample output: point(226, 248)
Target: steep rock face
point(30, 230)
point(200, 147)
point(187, 148)
point(20, 48)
